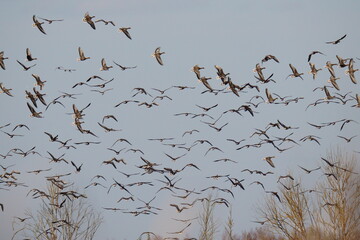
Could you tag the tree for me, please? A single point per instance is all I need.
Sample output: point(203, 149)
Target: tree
point(339, 201)
point(62, 215)
point(335, 213)
point(290, 216)
point(207, 222)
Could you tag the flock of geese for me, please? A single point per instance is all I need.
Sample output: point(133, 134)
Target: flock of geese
point(130, 167)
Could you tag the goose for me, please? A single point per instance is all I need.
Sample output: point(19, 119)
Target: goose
point(269, 96)
point(351, 71)
point(336, 41)
point(221, 75)
point(5, 90)
point(313, 70)
point(38, 24)
point(295, 72)
point(123, 68)
point(39, 83)
point(342, 62)
point(196, 69)
point(125, 31)
point(25, 67)
point(332, 80)
point(269, 160)
point(104, 67)
point(313, 53)
point(28, 55)
point(157, 54)
point(50, 21)
point(82, 55)
point(105, 22)
point(2, 58)
point(329, 66)
point(88, 19)
point(204, 80)
point(33, 112)
point(269, 57)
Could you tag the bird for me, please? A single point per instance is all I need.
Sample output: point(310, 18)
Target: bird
point(82, 55)
point(181, 231)
point(105, 22)
point(2, 58)
point(336, 41)
point(175, 158)
point(25, 67)
point(313, 70)
point(345, 121)
point(28, 55)
point(204, 80)
point(295, 72)
point(269, 160)
point(50, 21)
point(196, 69)
point(313, 53)
point(33, 112)
point(351, 71)
point(179, 209)
point(330, 68)
point(104, 67)
point(269, 57)
point(78, 168)
point(88, 19)
point(309, 171)
point(157, 54)
point(38, 24)
point(125, 31)
point(123, 68)
point(39, 83)
point(258, 183)
point(311, 138)
point(275, 194)
point(347, 139)
point(269, 96)
point(342, 62)
point(332, 80)
point(5, 90)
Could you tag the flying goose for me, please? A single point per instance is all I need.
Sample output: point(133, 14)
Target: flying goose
point(329, 66)
point(82, 55)
point(269, 57)
point(33, 112)
point(5, 90)
point(88, 19)
point(39, 83)
point(104, 67)
point(157, 54)
point(351, 71)
point(313, 70)
point(2, 58)
point(204, 80)
point(105, 22)
point(312, 53)
point(269, 160)
point(336, 41)
point(25, 67)
point(269, 96)
point(295, 72)
point(342, 62)
point(38, 24)
point(125, 31)
point(28, 55)
point(50, 21)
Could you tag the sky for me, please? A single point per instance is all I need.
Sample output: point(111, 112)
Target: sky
point(235, 35)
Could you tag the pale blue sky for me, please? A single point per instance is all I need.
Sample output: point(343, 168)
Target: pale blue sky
point(232, 34)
